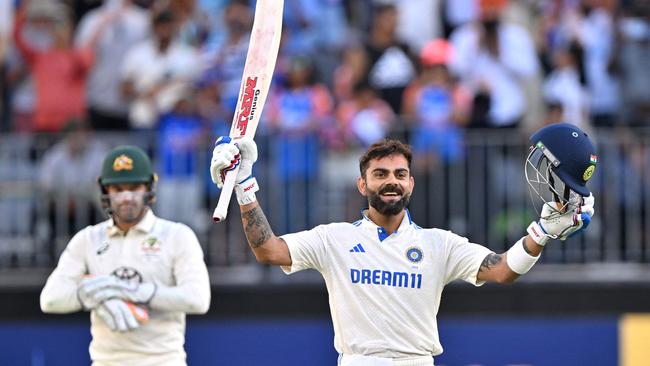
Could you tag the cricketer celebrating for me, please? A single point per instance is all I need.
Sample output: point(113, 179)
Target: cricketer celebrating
point(384, 273)
point(137, 274)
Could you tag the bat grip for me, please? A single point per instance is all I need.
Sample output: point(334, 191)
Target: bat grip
point(221, 210)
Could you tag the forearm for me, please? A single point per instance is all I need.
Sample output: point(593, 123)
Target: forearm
point(60, 296)
point(189, 299)
point(508, 267)
point(260, 236)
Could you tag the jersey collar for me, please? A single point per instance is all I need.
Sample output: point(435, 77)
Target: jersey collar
point(145, 225)
point(368, 224)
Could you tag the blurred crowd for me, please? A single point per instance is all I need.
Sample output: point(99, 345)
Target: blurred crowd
point(349, 72)
point(346, 67)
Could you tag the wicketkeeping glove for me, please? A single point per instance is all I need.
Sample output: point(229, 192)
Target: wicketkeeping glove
point(562, 226)
point(118, 315)
point(90, 287)
point(95, 290)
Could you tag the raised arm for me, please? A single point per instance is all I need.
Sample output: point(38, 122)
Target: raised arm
point(227, 154)
point(25, 49)
point(268, 248)
point(520, 258)
point(495, 268)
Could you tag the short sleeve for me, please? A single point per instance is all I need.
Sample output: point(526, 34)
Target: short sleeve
point(463, 259)
point(307, 250)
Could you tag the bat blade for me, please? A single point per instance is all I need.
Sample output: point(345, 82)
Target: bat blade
point(256, 82)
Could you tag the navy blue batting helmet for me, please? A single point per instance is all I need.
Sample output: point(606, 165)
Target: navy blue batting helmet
point(573, 155)
point(562, 159)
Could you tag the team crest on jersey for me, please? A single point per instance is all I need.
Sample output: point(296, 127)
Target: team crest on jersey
point(414, 254)
point(151, 245)
point(122, 162)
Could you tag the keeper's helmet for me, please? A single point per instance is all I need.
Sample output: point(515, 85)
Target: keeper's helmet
point(561, 161)
point(127, 164)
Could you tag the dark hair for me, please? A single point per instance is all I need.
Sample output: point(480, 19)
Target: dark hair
point(165, 16)
point(382, 8)
point(382, 149)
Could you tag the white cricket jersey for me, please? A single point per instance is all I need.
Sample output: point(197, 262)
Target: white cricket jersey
point(155, 250)
point(384, 290)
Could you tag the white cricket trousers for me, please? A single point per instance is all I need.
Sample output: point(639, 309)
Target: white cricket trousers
point(359, 360)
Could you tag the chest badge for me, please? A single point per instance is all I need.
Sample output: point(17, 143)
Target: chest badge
point(150, 245)
point(414, 254)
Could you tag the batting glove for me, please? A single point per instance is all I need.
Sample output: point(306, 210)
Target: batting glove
point(226, 156)
point(563, 226)
point(118, 315)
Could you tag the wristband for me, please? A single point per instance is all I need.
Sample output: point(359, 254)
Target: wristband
point(537, 233)
point(518, 260)
point(245, 191)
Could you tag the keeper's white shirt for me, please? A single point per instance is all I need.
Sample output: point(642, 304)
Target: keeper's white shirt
point(384, 291)
point(158, 251)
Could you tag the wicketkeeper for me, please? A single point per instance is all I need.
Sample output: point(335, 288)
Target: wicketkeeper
point(137, 274)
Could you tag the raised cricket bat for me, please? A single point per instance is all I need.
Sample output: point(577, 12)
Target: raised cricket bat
point(255, 84)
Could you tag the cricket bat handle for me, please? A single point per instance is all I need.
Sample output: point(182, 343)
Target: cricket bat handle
point(221, 210)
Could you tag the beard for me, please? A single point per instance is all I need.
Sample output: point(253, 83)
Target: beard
point(129, 211)
point(390, 208)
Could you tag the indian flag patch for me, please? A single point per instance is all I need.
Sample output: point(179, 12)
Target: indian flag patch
point(593, 159)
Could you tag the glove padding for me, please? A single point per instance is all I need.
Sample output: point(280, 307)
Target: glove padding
point(570, 223)
point(118, 315)
point(95, 290)
point(228, 154)
point(90, 287)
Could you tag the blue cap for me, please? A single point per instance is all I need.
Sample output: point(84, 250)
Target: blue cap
point(574, 155)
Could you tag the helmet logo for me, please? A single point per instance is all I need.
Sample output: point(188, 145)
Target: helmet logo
point(122, 162)
point(588, 172)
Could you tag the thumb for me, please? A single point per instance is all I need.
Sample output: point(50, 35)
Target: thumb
point(585, 219)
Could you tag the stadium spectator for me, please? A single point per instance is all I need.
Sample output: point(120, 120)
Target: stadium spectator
point(319, 31)
point(437, 107)
point(564, 85)
point(295, 113)
point(181, 135)
point(349, 73)
point(71, 193)
point(59, 70)
point(107, 109)
point(633, 53)
point(494, 58)
point(419, 21)
point(157, 73)
point(596, 34)
point(6, 25)
point(389, 63)
point(225, 53)
point(456, 13)
point(363, 119)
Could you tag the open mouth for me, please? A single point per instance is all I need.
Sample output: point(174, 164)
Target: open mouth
point(391, 194)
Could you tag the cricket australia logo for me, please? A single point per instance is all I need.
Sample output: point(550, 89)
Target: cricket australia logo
point(122, 162)
point(414, 254)
point(151, 245)
point(248, 105)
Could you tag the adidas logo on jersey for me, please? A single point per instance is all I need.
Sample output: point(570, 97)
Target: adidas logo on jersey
point(357, 249)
